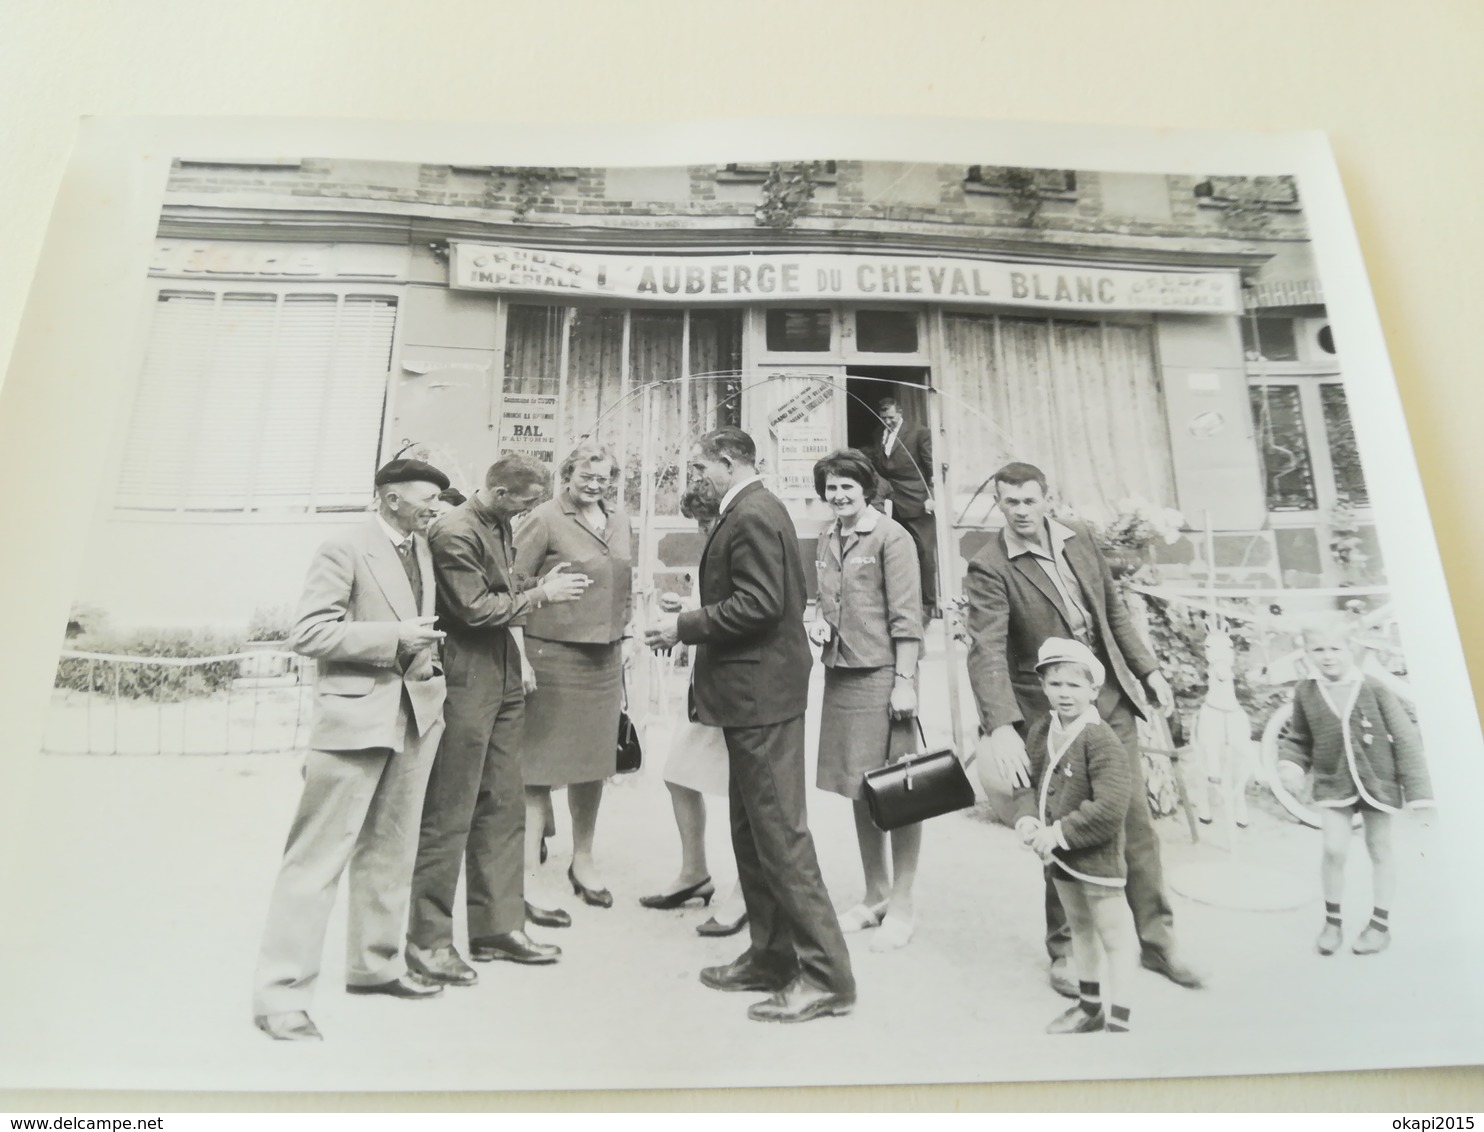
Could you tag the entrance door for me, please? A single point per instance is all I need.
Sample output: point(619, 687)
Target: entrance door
point(865, 386)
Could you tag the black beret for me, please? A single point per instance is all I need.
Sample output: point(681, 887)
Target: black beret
point(409, 471)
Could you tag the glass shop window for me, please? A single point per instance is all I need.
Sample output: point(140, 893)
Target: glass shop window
point(799, 331)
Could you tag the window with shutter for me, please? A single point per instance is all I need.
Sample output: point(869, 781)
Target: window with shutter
point(259, 401)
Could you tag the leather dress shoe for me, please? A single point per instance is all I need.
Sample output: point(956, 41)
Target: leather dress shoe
point(440, 965)
point(295, 1026)
point(801, 1001)
point(1173, 969)
point(745, 974)
point(407, 986)
point(597, 897)
point(516, 946)
point(1061, 979)
point(548, 917)
point(1077, 1021)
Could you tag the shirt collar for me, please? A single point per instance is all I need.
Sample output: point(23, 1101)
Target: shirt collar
point(1057, 535)
point(488, 517)
point(735, 490)
point(864, 525)
point(397, 537)
point(1065, 732)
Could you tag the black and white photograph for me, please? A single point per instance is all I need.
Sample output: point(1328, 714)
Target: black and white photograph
point(551, 620)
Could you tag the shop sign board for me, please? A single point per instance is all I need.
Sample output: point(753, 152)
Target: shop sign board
point(528, 424)
point(832, 277)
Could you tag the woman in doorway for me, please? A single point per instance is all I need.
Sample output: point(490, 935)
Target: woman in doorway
point(575, 657)
point(697, 766)
point(869, 625)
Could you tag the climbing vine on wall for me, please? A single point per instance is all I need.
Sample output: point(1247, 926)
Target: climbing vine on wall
point(526, 185)
point(787, 191)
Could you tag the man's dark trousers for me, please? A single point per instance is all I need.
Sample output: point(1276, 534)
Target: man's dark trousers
point(1154, 920)
point(924, 531)
point(474, 809)
point(788, 908)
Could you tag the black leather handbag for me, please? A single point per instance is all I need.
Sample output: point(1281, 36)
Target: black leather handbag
point(630, 750)
point(925, 785)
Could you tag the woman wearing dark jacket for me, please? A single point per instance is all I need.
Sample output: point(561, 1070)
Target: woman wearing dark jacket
point(574, 653)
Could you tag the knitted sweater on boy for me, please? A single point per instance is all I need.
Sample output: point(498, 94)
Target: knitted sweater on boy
point(1086, 789)
point(1360, 743)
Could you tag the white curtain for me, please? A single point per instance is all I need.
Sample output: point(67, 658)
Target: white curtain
point(1079, 399)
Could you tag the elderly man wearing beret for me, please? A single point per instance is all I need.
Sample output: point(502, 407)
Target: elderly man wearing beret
point(366, 616)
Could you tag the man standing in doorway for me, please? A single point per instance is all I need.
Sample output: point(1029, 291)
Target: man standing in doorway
point(1041, 578)
point(475, 807)
point(904, 490)
point(366, 617)
point(752, 680)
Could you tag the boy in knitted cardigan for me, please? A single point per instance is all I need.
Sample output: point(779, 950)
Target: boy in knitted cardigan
point(1072, 816)
point(1355, 736)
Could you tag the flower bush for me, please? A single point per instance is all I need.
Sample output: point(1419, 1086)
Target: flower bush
point(1138, 523)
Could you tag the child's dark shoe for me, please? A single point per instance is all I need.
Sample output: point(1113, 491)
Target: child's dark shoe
point(1330, 940)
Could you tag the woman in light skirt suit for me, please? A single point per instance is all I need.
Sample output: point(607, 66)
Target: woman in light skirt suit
point(575, 656)
point(869, 626)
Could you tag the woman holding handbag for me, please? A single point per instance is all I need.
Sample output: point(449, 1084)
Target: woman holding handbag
point(574, 654)
point(869, 626)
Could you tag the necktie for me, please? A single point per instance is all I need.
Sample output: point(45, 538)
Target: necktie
point(414, 572)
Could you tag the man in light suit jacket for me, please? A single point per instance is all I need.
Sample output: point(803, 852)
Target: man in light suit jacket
point(366, 616)
point(903, 459)
point(752, 680)
point(1041, 578)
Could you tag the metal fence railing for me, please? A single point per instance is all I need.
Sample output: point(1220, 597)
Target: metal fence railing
point(254, 702)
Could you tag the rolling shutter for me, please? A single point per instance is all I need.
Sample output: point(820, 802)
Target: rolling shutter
point(258, 401)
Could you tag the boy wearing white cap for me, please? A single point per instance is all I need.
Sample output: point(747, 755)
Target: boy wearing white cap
point(1072, 816)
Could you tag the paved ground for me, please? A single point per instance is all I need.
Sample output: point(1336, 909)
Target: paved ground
point(130, 949)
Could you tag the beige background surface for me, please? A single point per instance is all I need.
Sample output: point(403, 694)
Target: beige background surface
point(1397, 85)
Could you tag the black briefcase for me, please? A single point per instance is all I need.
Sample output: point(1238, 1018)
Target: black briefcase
point(922, 786)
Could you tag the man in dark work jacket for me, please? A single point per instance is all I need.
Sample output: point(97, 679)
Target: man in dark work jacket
point(474, 810)
point(752, 680)
point(1040, 578)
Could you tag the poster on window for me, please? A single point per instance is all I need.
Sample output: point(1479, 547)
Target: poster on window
point(528, 424)
point(1161, 420)
point(800, 445)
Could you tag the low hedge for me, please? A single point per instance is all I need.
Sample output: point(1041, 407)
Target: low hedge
point(144, 681)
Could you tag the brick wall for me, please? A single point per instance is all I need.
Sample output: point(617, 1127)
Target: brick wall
point(580, 193)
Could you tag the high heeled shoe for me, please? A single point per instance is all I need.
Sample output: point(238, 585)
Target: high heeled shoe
point(703, 890)
point(597, 897)
point(714, 927)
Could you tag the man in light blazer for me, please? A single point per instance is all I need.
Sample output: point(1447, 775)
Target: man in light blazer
point(752, 680)
point(1040, 578)
point(366, 616)
point(903, 459)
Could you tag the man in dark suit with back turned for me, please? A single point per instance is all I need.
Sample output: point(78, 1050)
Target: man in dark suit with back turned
point(1041, 578)
point(904, 464)
point(752, 680)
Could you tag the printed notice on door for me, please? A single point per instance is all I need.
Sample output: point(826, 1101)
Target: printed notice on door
point(528, 424)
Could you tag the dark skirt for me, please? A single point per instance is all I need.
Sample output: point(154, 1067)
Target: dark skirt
point(572, 716)
point(854, 727)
